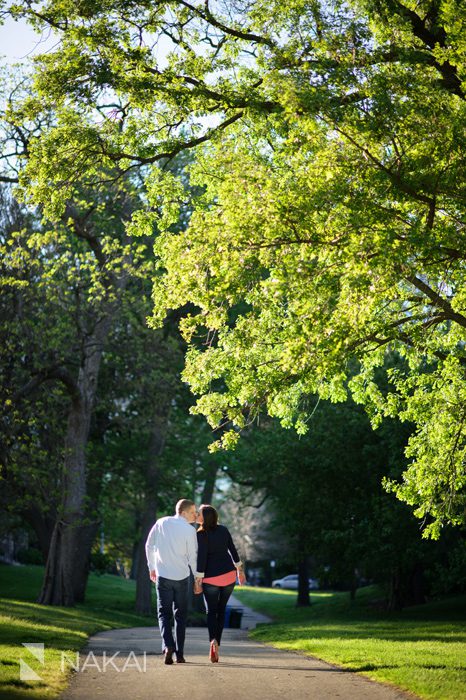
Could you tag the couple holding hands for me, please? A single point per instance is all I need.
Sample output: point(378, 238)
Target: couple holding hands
point(173, 547)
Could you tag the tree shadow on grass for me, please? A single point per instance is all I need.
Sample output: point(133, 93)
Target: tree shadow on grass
point(77, 617)
point(19, 690)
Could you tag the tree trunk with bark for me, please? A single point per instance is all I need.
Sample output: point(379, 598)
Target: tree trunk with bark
point(67, 565)
point(209, 484)
point(354, 584)
point(395, 596)
point(303, 584)
point(407, 587)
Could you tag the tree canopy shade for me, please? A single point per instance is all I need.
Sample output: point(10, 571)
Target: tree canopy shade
point(330, 233)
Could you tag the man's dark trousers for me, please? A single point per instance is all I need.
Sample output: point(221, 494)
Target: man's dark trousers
point(172, 600)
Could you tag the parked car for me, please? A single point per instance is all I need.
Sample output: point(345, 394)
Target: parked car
point(291, 582)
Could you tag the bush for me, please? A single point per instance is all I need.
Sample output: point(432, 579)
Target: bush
point(102, 563)
point(30, 556)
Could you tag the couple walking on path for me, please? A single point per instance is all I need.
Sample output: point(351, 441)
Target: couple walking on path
point(173, 548)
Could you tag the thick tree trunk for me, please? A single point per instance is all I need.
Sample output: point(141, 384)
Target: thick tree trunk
point(303, 583)
point(209, 484)
point(395, 596)
point(354, 585)
point(157, 443)
point(417, 586)
point(67, 565)
point(57, 587)
point(87, 535)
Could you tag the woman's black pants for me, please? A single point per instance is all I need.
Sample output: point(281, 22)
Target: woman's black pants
point(216, 599)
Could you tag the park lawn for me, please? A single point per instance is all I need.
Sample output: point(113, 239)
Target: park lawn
point(109, 604)
point(421, 649)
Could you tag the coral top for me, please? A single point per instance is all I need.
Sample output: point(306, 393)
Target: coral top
point(222, 580)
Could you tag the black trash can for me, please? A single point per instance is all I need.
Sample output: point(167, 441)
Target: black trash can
point(235, 617)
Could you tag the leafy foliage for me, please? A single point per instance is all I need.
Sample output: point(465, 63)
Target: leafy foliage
point(331, 227)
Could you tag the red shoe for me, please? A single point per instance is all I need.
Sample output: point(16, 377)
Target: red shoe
point(213, 655)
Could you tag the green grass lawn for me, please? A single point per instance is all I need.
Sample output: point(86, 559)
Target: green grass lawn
point(421, 649)
point(109, 604)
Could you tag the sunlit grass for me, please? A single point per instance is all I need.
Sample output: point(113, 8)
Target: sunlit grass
point(109, 604)
point(422, 649)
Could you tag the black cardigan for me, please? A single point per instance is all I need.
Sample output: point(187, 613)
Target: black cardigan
point(216, 552)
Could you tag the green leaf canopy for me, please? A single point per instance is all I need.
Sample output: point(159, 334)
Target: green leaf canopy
point(330, 232)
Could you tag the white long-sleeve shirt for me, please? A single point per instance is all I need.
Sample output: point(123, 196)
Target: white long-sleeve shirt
point(171, 548)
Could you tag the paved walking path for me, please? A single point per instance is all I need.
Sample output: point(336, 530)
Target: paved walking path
point(247, 670)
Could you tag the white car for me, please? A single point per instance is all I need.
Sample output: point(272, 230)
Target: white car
point(291, 582)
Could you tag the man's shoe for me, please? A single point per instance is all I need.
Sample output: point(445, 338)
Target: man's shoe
point(180, 659)
point(168, 653)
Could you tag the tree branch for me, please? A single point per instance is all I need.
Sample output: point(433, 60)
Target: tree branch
point(182, 146)
point(58, 373)
point(394, 177)
point(5, 178)
point(207, 16)
point(431, 36)
point(438, 300)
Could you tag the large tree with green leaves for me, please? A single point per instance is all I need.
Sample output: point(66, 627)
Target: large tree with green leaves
point(63, 283)
point(85, 414)
point(331, 228)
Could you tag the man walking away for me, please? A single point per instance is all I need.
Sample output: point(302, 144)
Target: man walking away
point(171, 550)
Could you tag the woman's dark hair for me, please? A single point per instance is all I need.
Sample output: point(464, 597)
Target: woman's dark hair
point(210, 518)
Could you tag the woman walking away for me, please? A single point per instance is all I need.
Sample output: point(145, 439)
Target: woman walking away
point(218, 565)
